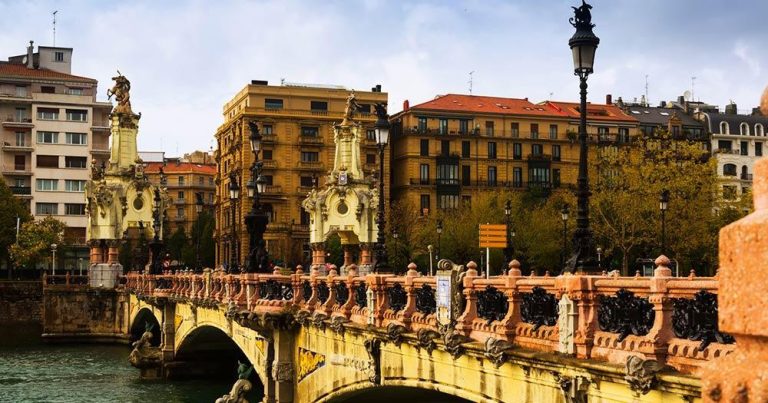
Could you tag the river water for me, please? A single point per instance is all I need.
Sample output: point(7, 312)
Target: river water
point(31, 371)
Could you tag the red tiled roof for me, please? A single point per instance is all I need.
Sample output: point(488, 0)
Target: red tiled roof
point(20, 70)
point(483, 104)
point(602, 112)
point(183, 167)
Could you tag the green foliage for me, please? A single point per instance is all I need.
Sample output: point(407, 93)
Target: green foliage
point(35, 239)
point(12, 208)
point(176, 245)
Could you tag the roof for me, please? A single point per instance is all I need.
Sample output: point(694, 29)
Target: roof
point(595, 112)
point(483, 104)
point(182, 167)
point(734, 121)
point(657, 116)
point(21, 71)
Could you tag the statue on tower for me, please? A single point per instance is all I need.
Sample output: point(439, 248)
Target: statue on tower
point(350, 109)
point(122, 92)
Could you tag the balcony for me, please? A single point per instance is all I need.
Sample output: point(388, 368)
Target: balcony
point(100, 150)
point(17, 171)
point(311, 165)
point(270, 164)
point(310, 140)
point(18, 122)
point(21, 190)
point(746, 177)
point(273, 189)
point(278, 227)
point(180, 201)
point(180, 218)
point(17, 148)
point(16, 97)
point(539, 185)
point(268, 138)
point(299, 228)
point(728, 151)
point(539, 157)
point(447, 182)
point(421, 182)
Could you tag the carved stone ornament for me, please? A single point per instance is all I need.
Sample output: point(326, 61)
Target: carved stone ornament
point(337, 324)
point(641, 374)
point(143, 354)
point(625, 314)
point(452, 340)
point(573, 388)
point(373, 347)
point(538, 308)
point(302, 317)
point(239, 391)
point(426, 339)
point(318, 319)
point(495, 350)
point(696, 319)
point(282, 371)
point(395, 333)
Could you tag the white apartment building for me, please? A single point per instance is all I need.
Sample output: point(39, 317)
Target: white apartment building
point(52, 128)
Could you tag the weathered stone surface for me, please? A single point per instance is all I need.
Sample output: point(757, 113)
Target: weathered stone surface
point(20, 301)
point(84, 313)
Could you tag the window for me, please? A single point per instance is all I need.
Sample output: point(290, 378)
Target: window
point(318, 106)
point(47, 89)
point(424, 174)
point(517, 177)
point(517, 151)
point(447, 201)
point(744, 129)
point(21, 139)
point(46, 208)
point(19, 162)
point(537, 149)
point(273, 103)
point(21, 115)
point(370, 158)
point(515, 130)
point(676, 131)
point(556, 152)
point(538, 175)
point(491, 176)
point(758, 149)
point(47, 161)
point(553, 132)
point(370, 135)
point(465, 149)
point(181, 180)
point(266, 155)
point(310, 131)
point(269, 180)
point(309, 156)
point(623, 135)
point(463, 126)
point(74, 208)
point(492, 150)
point(201, 180)
point(724, 145)
point(305, 181)
point(556, 177)
point(729, 170)
point(21, 91)
point(77, 115)
point(180, 195)
point(445, 147)
point(74, 91)
point(72, 185)
point(758, 129)
point(602, 133)
point(47, 185)
point(466, 177)
point(534, 131)
point(75, 162)
point(364, 109)
point(58, 56)
point(447, 174)
point(267, 129)
point(180, 212)
point(422, 128)
point(443, 126)
point(489, 128)
point(304, 216)
point(424, 204)
point(724, 129)
point(47, 114)
point(77, 138)
point(744, 147)
point(424, 147)
point(48, 137)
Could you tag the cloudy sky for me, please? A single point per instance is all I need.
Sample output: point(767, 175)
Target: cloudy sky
point(186, 58)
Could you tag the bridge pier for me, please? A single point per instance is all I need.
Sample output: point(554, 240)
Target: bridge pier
point(169, 332)
point(283, 373)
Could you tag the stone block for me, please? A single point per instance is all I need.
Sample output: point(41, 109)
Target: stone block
point(104, 275)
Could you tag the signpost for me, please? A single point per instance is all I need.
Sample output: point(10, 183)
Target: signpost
point(492, 236)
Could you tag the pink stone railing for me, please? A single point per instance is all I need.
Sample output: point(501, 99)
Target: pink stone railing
point(404, 301)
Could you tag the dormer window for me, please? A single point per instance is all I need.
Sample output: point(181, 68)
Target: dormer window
point(58, 57)
point(744, 129)
point(724, 129)
point(759, 129)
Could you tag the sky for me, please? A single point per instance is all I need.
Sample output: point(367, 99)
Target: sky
point(185, 59)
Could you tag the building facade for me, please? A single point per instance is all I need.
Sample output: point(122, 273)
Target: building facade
point(53, 129)
point(191, 189)
point(667, 117)
point(297, 150)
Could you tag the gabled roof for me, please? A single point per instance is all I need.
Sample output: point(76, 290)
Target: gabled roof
point(654, 115)
point(21, 71)
point(735, 121)
point(180, 168)
point(595, 112)
point(482, 104)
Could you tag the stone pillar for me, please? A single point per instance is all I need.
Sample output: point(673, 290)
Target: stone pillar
point(742, 298)
point(348, 256)
point(113, 252)
point(318, 254)
point(95, 251)
point(169, 332)
point(365, 253)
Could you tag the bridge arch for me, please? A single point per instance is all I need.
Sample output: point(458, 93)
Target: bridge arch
point(411, 390)
point(140, 317)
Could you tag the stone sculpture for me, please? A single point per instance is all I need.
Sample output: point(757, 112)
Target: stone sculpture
point(641, 373)
point(143, 354)
point(122, 92)
point(241, 387)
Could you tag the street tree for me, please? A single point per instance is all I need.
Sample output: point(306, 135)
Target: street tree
point(12, 208)
point(35, 240)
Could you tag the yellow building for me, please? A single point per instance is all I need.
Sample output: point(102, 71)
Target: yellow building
point(449, 149)
point(297, 147)
point(185, 181)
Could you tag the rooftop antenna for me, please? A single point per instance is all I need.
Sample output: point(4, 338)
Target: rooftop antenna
point(54, 27)
point(693, 84)
point(550, 95)
point(470, 81)
point(646, 90)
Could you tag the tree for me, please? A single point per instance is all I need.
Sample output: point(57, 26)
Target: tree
point(35, 239)
point(12, 208)
point(176, 245)
point(202, 230)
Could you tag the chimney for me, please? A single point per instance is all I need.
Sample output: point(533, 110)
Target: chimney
point(406, 105)
point(30, 55)
point(608, 99)
point(730, 109)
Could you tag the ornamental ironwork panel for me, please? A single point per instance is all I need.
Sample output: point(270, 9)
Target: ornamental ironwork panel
point(397, 297)
point(306, 288)
point(342, 293)
point(270, 290)
point(425, 300)
point(492, 304)
point(163, 284)
point(361, 299)
point(323, 292)
point(539, 308)
point(625, 314)
point(696, 319)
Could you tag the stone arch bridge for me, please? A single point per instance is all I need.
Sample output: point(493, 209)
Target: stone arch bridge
point(317, 338)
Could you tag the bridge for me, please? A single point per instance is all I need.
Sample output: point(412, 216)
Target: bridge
point(317, 338)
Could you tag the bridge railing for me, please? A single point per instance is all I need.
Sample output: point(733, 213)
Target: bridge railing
point(603, 317)
point(64, 280)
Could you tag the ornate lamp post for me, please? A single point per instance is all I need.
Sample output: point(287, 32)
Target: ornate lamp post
point(583, 45)
point(53, 258)
point(382, 137)
point(564, 216)
point(156, 245)
point(234, 195)
point(395, 236)
point(256, 219)
point(663, 204)
point(198, 209)
point(439, 230)
point(508, 251)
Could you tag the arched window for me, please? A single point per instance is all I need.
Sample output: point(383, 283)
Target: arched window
point(744, 172)
point(724, 129)
point(729, 170)
point(759, 129)
point(744, 129)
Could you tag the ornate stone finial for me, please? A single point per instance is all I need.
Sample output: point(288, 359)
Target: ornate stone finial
point(546, 273)
point(299, 269)
point(514, 268)
point(662, 267)
point(471, 269)
point(122, 92)
point(352, 270)
point(333, 270)
point(692, 273)
point(412, 272)
point(637, 273)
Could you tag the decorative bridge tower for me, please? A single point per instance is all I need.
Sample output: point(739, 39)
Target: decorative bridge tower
point(119, 197)
point(346, 205)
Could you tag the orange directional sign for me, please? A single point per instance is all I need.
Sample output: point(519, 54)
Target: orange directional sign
point(493, 236)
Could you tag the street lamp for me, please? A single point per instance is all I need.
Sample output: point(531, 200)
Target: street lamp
point(564, 216)
point(53, 258)
point(439, 230)
point(382, 137)
point(395, 236)
point(80, 265)
point(234, 195)
point(583, 45)
point(508, 251)
point(431, 250)
point(198, 209)
point(256, 219)
point(663, 204)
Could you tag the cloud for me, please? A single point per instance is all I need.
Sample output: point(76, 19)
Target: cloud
point(745, 54)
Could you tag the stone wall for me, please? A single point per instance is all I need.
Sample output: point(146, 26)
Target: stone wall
point(20, 301)
point(84, 314)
